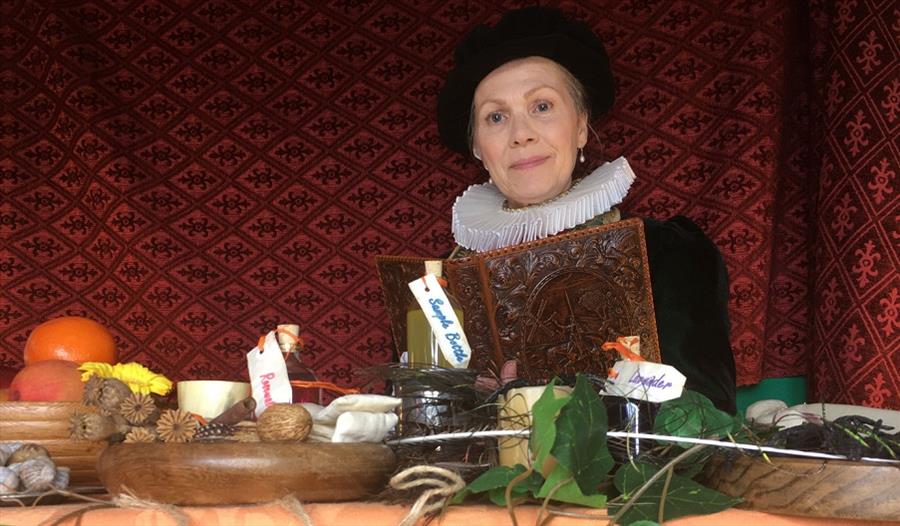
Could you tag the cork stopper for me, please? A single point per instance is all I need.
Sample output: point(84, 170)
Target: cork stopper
point(288, 337)
point(434, 267)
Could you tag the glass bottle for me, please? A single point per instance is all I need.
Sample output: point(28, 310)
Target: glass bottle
point(424, 410)
point(291, 347)
point(422, 348)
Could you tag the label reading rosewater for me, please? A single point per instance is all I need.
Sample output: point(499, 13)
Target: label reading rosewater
point(268, 375)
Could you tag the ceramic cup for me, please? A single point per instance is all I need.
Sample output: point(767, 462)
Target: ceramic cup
point(210, 398)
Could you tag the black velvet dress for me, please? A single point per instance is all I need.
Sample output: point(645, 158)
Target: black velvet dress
point(690, 297)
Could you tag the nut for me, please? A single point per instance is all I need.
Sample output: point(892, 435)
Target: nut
point(284, 423)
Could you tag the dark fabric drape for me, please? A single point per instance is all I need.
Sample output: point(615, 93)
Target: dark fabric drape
point(192, 173)
point(855, 353)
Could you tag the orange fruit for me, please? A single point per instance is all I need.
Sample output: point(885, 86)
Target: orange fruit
point(71, 338)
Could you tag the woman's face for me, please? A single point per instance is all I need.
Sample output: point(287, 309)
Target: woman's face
point(527, 130)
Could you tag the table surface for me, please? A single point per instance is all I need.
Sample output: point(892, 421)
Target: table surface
point(359, 513)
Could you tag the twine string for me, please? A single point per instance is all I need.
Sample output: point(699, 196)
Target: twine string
point(444, 484)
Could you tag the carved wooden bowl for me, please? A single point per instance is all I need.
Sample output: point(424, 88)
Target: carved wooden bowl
point(47, 424)
point(245, 473)
point(816, 488)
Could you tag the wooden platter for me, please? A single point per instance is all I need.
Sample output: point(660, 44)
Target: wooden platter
point(815, 488)
point(47, 424)
point(243, 473)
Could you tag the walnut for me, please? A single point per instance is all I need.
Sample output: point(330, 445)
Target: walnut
point(284, 423)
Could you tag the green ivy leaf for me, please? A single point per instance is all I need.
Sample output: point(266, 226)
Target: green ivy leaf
point(569, 490)
point(543, 427)
point(524, 488)
point(581, 437)
point(498, 477)
point(693, 415)
point(684, 496)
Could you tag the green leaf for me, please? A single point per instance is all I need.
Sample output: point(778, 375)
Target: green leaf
point(569, 490)
point(693, 415)
point(498, 477)
point(581, 437)
point(644, 523)
point(684, 496)
point(543, 424)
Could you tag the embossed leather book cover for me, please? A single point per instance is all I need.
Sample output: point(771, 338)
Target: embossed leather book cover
point(395, 273)
point(551, 303)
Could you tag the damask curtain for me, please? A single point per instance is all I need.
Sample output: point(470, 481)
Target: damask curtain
point(191, 173)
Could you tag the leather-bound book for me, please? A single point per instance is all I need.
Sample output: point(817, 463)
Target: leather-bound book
point(549, 304)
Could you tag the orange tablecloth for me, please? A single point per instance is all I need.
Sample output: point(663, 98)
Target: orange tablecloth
point(367, 514)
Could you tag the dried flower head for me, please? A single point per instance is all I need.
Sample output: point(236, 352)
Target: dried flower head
point(93, 387)
point(91, 426)
point(141, 435)
point(176, 425)
point(112, 393)
point(139, 409)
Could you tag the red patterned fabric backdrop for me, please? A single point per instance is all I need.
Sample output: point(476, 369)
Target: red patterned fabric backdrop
point(191, 173)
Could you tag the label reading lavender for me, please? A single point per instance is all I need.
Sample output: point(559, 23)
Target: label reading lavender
point(649, 381)
point(444, 323)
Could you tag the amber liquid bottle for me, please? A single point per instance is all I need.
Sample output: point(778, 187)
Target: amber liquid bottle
point(292, 348)
point(422, 347)
point(425, 410)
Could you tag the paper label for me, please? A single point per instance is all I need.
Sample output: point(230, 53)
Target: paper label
point(269, 380)
point(443, 320)
point(653, 382)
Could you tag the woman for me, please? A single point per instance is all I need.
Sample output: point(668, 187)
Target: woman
point(520, 99)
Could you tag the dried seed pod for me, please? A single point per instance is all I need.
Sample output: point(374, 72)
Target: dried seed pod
point(112, 393)
point(176, 425)
point(284, 423)
point(9, 481)
point(93, 387)
point(139, 409)
point(37, 474)
point(27, 452)
point(139, 435)
point(245, 431)
point(94, 426)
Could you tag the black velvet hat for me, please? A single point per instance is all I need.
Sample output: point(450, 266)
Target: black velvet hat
point(527, 32)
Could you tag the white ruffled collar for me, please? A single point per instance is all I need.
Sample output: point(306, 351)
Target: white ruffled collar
point(481, 221)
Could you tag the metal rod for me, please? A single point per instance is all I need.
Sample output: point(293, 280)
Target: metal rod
point(521, 433)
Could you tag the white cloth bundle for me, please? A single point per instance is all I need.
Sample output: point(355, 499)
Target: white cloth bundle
point(353, 418)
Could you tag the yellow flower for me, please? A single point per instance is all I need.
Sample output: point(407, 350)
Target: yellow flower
point(136, 376)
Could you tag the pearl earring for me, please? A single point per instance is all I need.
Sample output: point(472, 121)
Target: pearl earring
point(581, 155)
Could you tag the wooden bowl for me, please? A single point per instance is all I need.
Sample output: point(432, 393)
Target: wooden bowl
point(47, 424)
point(245, 473)
point(815, 488)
